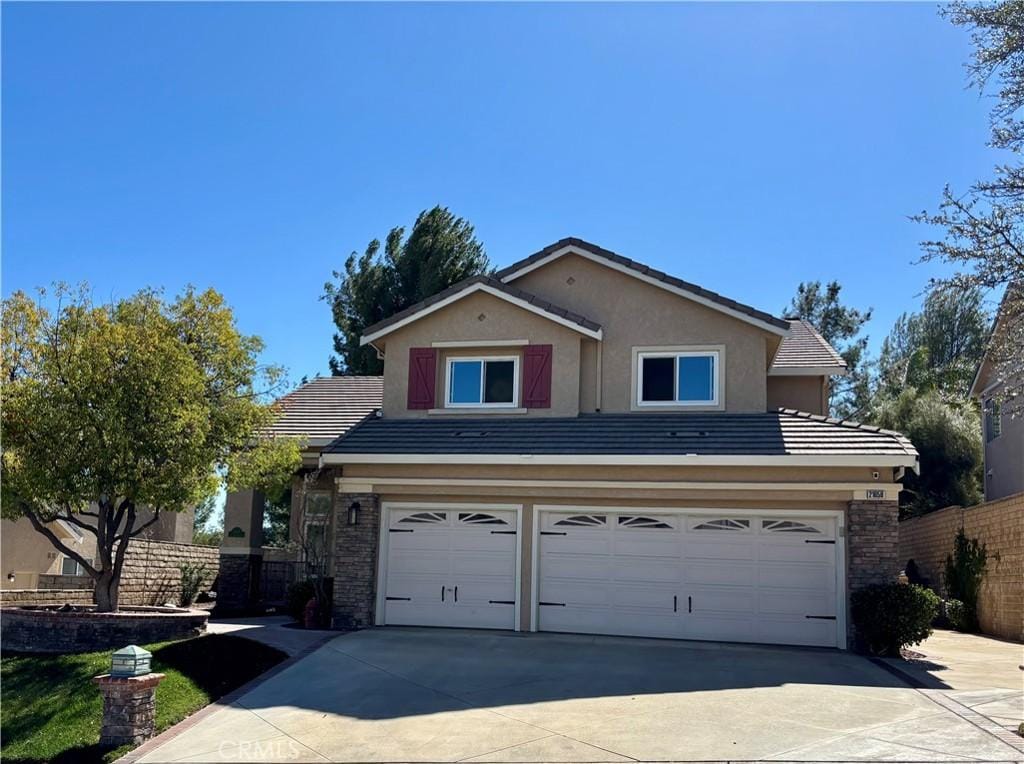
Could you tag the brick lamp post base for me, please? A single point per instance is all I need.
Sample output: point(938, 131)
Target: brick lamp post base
point(129, 708)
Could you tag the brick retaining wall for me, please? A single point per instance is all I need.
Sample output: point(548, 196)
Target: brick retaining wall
point(46, 596)
point(928, 540)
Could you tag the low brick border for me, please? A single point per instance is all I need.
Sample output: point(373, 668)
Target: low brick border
point(225, 700)
point(939, 697)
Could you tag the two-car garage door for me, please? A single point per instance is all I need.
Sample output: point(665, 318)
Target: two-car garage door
point(660, 573)
point(740, 578)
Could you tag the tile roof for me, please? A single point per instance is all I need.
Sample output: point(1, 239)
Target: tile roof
point(780, 433)
point(493, 283)
point(805, 348)
point(327, 407)
point(644, 270)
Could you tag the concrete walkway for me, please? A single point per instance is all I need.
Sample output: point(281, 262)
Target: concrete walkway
point(979, 672)
point(389, 695)
point(273, 630)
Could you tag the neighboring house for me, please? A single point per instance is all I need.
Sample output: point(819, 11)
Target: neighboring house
point(581, 443)
point(30, 561)
point(1003, 434)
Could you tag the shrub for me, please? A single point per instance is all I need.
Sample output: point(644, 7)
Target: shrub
point(299, 595)
point(888, 617)
point(192, 576)
point(964, 570)
point(958, 616)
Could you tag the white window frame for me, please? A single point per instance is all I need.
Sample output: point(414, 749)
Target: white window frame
point(483, 359)
point(992, 416)
point(79, 570)
point(676, 353)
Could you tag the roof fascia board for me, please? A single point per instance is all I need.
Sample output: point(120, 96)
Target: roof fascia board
point(739, 460)
point(572, 249)
point(809, 371)
point(367, 339)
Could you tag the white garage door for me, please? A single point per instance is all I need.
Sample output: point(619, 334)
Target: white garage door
point(450, 567)
point(740, 578)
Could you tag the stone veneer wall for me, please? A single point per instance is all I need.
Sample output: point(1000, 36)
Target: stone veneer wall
point(46, 596)
point(928, 539)
point(355, 561)
point(49, 631)
point(872, 547)
point(151, 575)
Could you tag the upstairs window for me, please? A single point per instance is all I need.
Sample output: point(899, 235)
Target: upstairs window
point(993, 420)
point(483, 382)
point(678, 378)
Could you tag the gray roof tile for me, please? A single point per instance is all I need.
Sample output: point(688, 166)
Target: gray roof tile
point(327, 407)
point(806, 348)
point(780, 433)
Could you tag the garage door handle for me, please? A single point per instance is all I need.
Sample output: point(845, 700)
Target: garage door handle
point(821, 617)
point(504, 533)
point(819, 541)
point(456, 594)
point(501, 602)
point(552, 533)
point(442, 594)
point(675, 603)
point(689, 604)
point(398, 599)
point(399, 530)
point(551, 604)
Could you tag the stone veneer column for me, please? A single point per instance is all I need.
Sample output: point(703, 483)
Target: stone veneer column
point(872, 548)
point(129, 708)
point(355, 561)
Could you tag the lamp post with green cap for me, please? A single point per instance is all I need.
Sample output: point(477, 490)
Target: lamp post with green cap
point(129, 697)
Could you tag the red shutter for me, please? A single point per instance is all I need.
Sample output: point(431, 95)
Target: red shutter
point(537, 377)
point(422, 374)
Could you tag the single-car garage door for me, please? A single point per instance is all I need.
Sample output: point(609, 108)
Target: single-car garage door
point(450, 567)
point(734, 577)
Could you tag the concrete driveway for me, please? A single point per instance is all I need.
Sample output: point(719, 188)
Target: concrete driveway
point(394, 695)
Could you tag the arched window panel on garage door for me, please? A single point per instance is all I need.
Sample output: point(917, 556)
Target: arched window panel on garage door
point(638, 521)
point(425, 517)
point(480, 518)
point(721, 524)
point(787, 526)
point(583, 521)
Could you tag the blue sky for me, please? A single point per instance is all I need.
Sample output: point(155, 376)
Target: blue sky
point(252, 147)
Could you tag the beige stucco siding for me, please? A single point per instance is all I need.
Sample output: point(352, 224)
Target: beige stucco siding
point(29, 554)
point(482, 319)
point(636, 314)
point(801, 393)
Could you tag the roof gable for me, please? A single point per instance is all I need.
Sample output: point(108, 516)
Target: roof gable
point(645, 273)
point(487, 285)
point(805, 352)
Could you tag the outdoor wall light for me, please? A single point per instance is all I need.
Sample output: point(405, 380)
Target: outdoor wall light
point(11, 576)
point(353, 513)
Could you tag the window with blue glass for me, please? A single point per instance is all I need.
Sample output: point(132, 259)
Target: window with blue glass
point(681, 378)
point(489, 381)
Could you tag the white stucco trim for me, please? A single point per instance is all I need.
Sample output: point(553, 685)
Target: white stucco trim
point(480, 344)
point(693, 296)
point(809, 371)
point(367, 339)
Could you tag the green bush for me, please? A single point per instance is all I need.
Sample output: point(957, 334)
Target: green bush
point(192, 576)
point(888, 617)
point(965, 569)
point(299, 595)
point(959, 615)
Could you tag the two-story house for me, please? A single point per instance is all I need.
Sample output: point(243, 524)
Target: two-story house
point(581, 443)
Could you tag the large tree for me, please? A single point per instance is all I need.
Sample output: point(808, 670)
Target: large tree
point(947, 435)
point(938, 348)
point(841, 326)
point(139, 403)
point(440, 250)
point(983, 227)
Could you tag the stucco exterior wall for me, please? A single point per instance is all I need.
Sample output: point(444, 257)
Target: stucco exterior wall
point(1004, 458)
point(28, 554)
point(635, 314)
point(801, 393)
point(928, 540)
point(481, 319)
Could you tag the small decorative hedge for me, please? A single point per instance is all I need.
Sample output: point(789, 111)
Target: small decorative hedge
point(888, 617)
point(959, 616)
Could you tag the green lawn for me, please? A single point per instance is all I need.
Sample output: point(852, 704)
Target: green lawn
point(50, 710)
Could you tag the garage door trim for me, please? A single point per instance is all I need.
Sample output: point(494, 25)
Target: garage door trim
point(838, 515)
point(386, 508)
